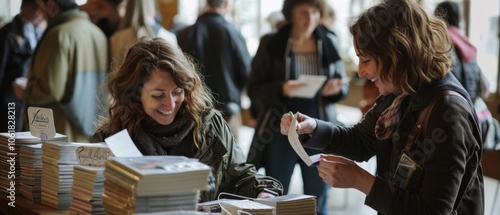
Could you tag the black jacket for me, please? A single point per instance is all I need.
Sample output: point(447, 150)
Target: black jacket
point(271, 69)
point(223, 58)
point(15, 58)
point(449, 150)
point(468, 74)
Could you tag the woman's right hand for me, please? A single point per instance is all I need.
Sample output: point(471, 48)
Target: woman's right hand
point(305, 124)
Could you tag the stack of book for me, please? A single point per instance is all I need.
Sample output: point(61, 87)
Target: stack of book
point(31, 172)
point(58, 160)
point(152, 184)
point(88, 186)
point(10, 165)
point(245, 207)
point(292, 204)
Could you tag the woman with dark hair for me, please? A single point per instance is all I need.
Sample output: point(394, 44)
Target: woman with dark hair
point(302, 46)
point(422, 128)
point(159, 97)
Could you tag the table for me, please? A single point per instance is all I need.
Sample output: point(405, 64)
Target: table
point(25, 207)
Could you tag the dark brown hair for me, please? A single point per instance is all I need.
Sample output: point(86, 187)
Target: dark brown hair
point(448, 11)
point(411, 47)
point(289, 6)
point(125, 84)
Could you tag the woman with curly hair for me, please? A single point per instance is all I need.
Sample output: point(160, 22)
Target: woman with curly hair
point(159, 97)
point(422, 129)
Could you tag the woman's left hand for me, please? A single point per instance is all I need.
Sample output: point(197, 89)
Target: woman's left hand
point(332, 87)
point(341, 172)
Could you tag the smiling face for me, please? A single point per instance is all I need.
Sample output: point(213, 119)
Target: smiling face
point(161, 98)
point(368, 68)
point(305, 17)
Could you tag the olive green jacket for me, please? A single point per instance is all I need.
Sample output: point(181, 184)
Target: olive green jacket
point(218, 149)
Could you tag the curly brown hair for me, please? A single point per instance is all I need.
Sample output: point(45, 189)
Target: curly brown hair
point(125, 84)
point(412, 47)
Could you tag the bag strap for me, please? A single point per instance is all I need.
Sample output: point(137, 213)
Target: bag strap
point(422, 120)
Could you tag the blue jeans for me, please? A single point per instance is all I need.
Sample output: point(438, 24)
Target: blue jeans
point(279, 162)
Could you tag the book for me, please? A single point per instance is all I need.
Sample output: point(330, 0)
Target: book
point(293, 204)
point(10, 154)
point(245, 207)
point(212, 206)
point(31, 171)
point(312, 84)
point(58, 162)
point(152, 184)
point(146, 176)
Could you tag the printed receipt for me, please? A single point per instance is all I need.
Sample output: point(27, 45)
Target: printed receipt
point(293, 138)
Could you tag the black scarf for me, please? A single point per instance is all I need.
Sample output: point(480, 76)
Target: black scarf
point(152, 138)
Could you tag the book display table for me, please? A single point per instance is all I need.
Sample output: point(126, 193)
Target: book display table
point(25, 207)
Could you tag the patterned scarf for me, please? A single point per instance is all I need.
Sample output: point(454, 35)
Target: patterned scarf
point(389, 119)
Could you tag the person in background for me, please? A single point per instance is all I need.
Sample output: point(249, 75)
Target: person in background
point(466, 68)
point(18, 40)
point(431, 166)
point(222, 54)
point(328, 20)
point(276, 20)
point(139, 21)
point(68, 66)
point(301, 47)
point(160, 98)
point(105, 14)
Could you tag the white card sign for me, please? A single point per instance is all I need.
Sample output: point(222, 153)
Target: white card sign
point(93, 155)
point(41, 123)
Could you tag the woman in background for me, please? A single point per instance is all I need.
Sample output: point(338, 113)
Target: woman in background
point(139, 21)
point(301, 47)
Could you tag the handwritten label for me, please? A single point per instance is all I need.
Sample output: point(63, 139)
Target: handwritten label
point(92, 156)
point(41, 122)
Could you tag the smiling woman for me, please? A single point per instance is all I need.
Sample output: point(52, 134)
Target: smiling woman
point(159, 97)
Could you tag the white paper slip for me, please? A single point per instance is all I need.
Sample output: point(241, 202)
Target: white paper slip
point(313, 84)
point(122, 145)
point(293, 138)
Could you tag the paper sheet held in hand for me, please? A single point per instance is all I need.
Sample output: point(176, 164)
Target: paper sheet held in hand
point(314, 83)
point(293, 138)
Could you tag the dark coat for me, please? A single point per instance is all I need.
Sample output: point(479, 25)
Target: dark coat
point(449, 150)
point(223, 58)
point(468, 74)
point(271, 69)
point(15, 54)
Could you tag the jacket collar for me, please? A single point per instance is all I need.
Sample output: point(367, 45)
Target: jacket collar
point(278, 44)
point(210, 15)
point(423, 96)
point(17, 25)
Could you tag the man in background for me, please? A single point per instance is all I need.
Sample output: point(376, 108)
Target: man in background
point(105, 14)
point(223, 58)
point(18, 40)
point(69, 64)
